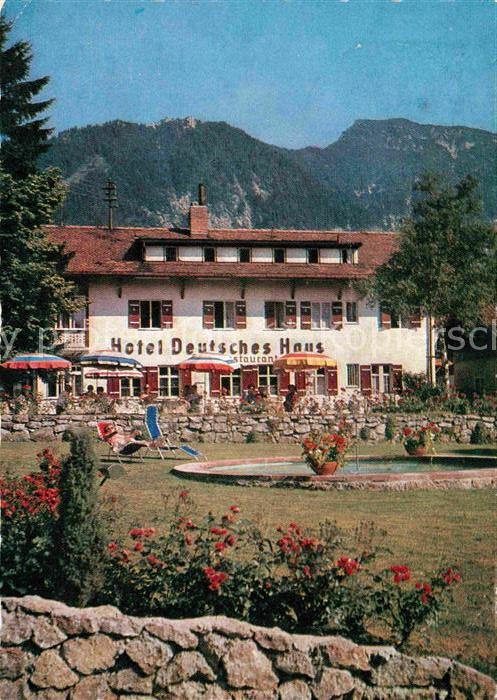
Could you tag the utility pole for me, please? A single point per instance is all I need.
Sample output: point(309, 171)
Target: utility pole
point(111, 199)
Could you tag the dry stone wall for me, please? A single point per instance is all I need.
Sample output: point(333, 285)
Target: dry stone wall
point(242, 427)
point(55, 652)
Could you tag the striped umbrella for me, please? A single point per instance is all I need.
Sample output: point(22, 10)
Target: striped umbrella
point(36, 360)
point(298, 361)
point(110, 373)
point(210, 362)
point(108, 358)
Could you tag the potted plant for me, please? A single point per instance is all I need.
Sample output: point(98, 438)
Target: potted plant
point(418, 442)
point(325, 452)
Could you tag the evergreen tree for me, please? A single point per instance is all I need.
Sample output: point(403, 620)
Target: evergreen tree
point(33, 289)
point(24, 136)
point(79, 540)
point(446, 262)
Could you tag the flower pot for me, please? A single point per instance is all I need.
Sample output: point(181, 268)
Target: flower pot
point(327, 468)
point(416, 451)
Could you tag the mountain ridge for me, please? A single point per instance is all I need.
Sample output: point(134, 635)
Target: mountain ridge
point(362, 180)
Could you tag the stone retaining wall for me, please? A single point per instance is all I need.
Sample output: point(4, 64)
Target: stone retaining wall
point(54, 652)
point(242, 427)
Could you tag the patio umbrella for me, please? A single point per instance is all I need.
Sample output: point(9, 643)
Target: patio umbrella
point(210, 362)
point(36, 360)
point(109, 373)
point(299, 361)
point(108, 358)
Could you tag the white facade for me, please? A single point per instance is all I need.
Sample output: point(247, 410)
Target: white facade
point(362, 342)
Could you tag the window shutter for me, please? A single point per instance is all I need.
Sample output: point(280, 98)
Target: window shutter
point(291, 314)
point(269, 314)
point(366, 379)
point(152, 380)
point(300, 381)
point(249, 376)
point(337, 315)
point(113, 387)
point(185, 379)
point(215, 383)
point(240, 314)
point(415, 320)
point(396, 371)
point(133, 314)
point(208, 314)
point(305, 314)
point(166, 314)
point(283, 382)
point(332, 375)
point(385, 318)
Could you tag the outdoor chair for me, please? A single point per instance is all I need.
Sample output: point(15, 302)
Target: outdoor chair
point(160, 441)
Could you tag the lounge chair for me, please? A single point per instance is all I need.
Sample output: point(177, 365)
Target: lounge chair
point(159, 440)
point(118, 442)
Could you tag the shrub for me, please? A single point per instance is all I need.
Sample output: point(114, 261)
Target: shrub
point(480, 435)
point(390, 428)
point(79, 539)
point(365, 433)
point(297, 579)
point(29, 507)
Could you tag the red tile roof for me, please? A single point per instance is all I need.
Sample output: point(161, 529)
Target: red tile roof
point(100, 252)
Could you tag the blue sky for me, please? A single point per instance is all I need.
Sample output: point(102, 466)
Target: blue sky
point(290, 72)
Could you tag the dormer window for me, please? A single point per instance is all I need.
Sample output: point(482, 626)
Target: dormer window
point(279, 255)
point(170, 254)
point(209, 255)
point(244, 255)
point(312, 255)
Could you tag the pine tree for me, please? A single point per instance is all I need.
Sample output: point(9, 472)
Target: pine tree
point(24, 134)
point(33, 288)
point(80, 545)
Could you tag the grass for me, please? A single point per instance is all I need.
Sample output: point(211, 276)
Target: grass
point(425, 529)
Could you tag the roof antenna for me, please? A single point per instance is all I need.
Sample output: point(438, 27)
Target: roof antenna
point(111, 191)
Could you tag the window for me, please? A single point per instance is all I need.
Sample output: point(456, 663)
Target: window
point(320, 315)
point(209, 255)
point(72, 321)
point(316, 382)
point(279, 255)
point(312, 255)
point(381, 379)
point(244, 255)
point(150, 314)
point(168, 382)
point(387, 383)
point(351, 312)
point(275, 314)
point(347, 255)
point(395, 320)
point(224, 314)
point(353, 375)
point(170, 254)
point(268, 380)
point(130, 387)
point(231, 384)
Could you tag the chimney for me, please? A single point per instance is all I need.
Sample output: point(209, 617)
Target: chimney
point(199, 213)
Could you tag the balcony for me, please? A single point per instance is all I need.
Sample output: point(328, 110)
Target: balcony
point(74, 340)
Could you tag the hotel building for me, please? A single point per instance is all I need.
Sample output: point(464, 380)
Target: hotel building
point(161, 294)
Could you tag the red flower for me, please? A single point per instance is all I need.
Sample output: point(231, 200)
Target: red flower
point(234, 509)
point(426, 592)
point(349, 566)
point(307, 572)
point(188, 539)
point(214, 578)
point(401, 573)
point(231, 540)
point(407, 431)
point(184, 494)
point(450, 576)
point(112, 546)
point(138, 546)
point(219, 531)
point(219, 546)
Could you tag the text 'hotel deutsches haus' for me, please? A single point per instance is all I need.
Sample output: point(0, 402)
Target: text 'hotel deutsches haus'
point(161, 294)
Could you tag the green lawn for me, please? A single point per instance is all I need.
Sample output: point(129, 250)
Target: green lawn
point(425, 528)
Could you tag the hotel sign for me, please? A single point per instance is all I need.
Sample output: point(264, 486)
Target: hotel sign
point(253, 353)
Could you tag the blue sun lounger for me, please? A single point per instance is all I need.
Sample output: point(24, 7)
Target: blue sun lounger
point(160, 441)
